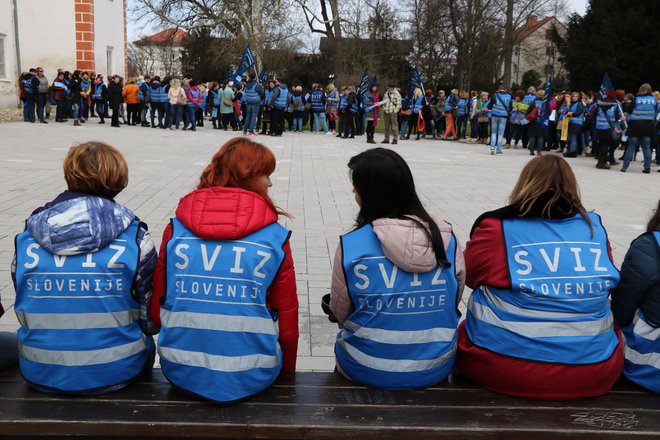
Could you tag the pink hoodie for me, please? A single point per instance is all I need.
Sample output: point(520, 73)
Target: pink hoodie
point(404, 244)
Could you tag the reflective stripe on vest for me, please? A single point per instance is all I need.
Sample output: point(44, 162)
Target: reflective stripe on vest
point(281, 100)
point(556, 310)
point(578, 120)
point(501, 103)
point(268, 96)
point(602, 120)
point(402, 333)
point(317, 101)
point(251, 95)
point(79, 328)
point(642, 352)
point(462, 107)
point(194, 94)
point(98, 92)
point(645, 109)
point(332, 95)
point(218, 338)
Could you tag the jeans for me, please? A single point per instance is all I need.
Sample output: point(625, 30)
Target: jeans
point(41, 104)
point(251, 113)
point(320, 116)
point(84, 108)
point(100, 109)
point(633, 142)
point(157, 107)
point(8, 349)
point(192, 120)
point(298, 120)
point(497, 127)
point(574, 131)
point(28, 107)
point(474, 127)
point(404, 126)
point(462, 126)
point(174, 117)
point(75, 109)
point(536, 144)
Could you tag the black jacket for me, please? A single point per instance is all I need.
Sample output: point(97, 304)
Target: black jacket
point(640, 282)
point(114, 94)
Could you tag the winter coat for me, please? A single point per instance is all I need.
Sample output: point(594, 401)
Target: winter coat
point(220, 213)
point(486, 265)
point(407, 246)
point(227, 93)
point(130, 94)
point(115, 97)
point(76, 223)
point(640, 282)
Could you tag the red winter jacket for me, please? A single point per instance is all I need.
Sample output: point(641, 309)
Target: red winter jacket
point(486, 265)
point(228, 214)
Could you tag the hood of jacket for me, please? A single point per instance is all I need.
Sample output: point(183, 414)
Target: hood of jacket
point(78, 225)
point(154, 84)
point(222, 213)
point(406, 244)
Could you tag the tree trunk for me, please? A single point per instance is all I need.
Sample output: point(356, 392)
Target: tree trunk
point(508, 43)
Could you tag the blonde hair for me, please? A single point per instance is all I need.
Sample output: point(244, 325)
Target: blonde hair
point(95, 168)
point(543, 174)
point(644, 89)
point(331, 87)
point(175, 83)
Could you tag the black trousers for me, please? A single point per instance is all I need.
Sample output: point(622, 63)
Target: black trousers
point(277, 121)
point(115, 114)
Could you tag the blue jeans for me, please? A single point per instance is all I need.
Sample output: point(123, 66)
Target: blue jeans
point(28, 108)
point(461, 126)
point(174, 116)
point(298, 120)
point(100, 108)
point(75, 108)
point(191, 110)
point(251, 113)
point(41, 104)
point(474, 127)
point(574, 131)
point(497, 127)
point(404, 126)
point(158, 107)
point(633, 142)
point(320, 116)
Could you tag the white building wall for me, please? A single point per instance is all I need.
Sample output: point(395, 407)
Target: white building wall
point(109, 33)
point(8, 80)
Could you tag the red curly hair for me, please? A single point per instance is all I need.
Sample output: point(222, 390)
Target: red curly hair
point(239, 164)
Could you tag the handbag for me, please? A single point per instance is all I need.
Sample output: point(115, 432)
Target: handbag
point(226, 101)
point(181, 99)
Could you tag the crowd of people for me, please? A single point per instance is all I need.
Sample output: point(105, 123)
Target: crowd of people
point(572, 123)
point(92, 290)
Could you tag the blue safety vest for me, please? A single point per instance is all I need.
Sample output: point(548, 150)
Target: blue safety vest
point(216, 98)
point(79, 328)
point(402, 333)
point(142, 88)
point(501, 105)
point(251, 96)
point(449, 103)
point(268, 95)
point(353, 109)
point(602, 119)
point(317, 101)
point(579, 119)
point(282, 98)
point(462, 107)
point(98, 92)
point(194, 94)
point(645, 109)
point(556, 310)
point(343, 102)
point(157, 94)
point(218, 339)
point(332, 95)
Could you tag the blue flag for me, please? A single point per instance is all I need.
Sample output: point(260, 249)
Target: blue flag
point(364, 83)
point(544, 111)
point(263, 75)
point(605, 86)
point(247, 61)
point(415, 82)
point(230, 73)
point(374, 80)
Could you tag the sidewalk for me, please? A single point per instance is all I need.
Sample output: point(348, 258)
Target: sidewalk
point(459, 181)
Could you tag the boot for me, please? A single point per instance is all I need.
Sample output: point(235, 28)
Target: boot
point(76, 123)
point(602, 164)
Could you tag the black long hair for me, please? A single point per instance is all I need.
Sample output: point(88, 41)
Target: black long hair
point(387, 189)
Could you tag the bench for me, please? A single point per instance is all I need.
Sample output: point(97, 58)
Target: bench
point(324, 406)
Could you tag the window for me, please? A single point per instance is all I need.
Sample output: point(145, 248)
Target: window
point(548, 34)
point(3, 68)
point(550, 51)
point(549, 68)
point(108, 55)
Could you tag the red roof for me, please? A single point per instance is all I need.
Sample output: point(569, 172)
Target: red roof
point(168, 36)
point(532, 26)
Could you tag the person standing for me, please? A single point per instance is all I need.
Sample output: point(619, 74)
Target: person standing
point(227, 106)
point(143, 97)
point(130, 95)
point(370, 99)
point(75, 93)
point(157, 100)
point(641, 116)
point(500, 108)
point(535, 119)
point(194, 101)
point(254, 94)
point(30, 86)
point(636, 306)
point(279, 102)
point(575, 117)
point(297, 102)
point(178, 102)
point(99, 98)
point(451, 106)
point(526, 101)
point(60, 92)
point(391, 108)
point(43, 104)
point(85, 96)
point(607, 115)
point(115, 99)
point(318, 101)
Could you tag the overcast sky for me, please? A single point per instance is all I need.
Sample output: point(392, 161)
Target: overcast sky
point(136, 31)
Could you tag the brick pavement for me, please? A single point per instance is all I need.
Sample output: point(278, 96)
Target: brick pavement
point(460, 181)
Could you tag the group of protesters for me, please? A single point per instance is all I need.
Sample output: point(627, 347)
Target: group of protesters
point(572, 123)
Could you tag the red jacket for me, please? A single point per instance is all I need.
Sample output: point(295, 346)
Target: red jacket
point(229, 214)
point(485, 262)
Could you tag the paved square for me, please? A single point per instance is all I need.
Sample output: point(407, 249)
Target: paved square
point(460, 181)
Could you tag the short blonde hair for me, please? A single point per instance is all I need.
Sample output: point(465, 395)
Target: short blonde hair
point(95, 168)
point(331, 87)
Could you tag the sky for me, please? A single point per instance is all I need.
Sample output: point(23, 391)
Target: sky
point(137, 30)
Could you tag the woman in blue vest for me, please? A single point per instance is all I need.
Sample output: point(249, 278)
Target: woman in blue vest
point(607, 116)
point(332, 109)
point(83, 274)
point(397, 280)
point(500, 106)
point(538, 322)
point(575, 122)
point(640, 114)
point(225, 287)
point(636, 307)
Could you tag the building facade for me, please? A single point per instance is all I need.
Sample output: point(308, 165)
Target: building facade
point(159, 54)
point(534, 49)
point(63, 34)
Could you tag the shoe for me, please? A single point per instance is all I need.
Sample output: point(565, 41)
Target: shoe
point(499, 152)
point(351, 137)
point(252, 133)
point(101, 122)
point(492, 152)
point(43, 121)
point(193, 129)
point(339, 135)
point(601, 165)
point(569, 154)
point(614, 163)
point(507, 146)
point(76, 123)
point(184, 129)
point(394, 141)
point(371, 141)
point(538, 153)
point(531, 154)
point(385, 141)
point(115, 125)
point(244, 133)
point(647, 171)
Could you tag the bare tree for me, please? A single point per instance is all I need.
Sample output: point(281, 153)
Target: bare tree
point(433, 39)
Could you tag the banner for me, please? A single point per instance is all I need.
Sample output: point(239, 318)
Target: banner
point(263, 75)
point(364, 83)
point(605, 85)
